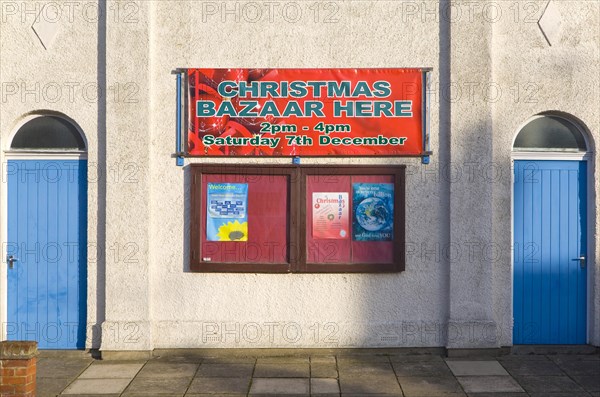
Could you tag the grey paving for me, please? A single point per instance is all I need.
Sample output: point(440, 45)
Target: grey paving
point(497, 394)
point(580, 367)
point(321, 375)
point(97, 386)
point(433, 368)
point(475, 368)
point(365, 369)
point(371, 383)
point(101, 370)
point(239, 386)
point(589, 383)
point(548, 384)
point(61, 368)
point(430, 386)
point(282, 370)
point(570, 394)
point(532, 368)
point(481, 384)
point(324, 386)
point(283, 360)
point(225, 370)
point(167, 369)
point(416, 358)
point(323, 370)
point(147, 386)
point(279, 386)
point(50, 387)
point(323, 360)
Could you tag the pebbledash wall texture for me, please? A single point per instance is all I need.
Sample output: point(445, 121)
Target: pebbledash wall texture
point(496, 64)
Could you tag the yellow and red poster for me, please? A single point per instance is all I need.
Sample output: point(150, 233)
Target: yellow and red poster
point(330, 215)
point(306, 112)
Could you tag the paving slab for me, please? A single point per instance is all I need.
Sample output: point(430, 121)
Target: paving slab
point(177, 359)
point(480, 384)
point(369, 384)
point(580, 367)
point(416, 358)
point(212, 395)
point(47, 387)
point(282, 370)
point(430, 386)
point(561, 358)
point(589, 383)
point(240, 370)
point(532, 367)
point(497, 394)
point(97, 386)
point(572, 394)
point(61, 368)
point(148, 386)
point(97, 395)
point(323, 370)
point(521, 357)
point(359, 359)
point(168, 369)
point(424, 369)
point(365, 369)
point(324, 386)
point(239, 386)
point(157, 395)
point(476, 368)
point(229, 360)
point(373, 395)
point(285, 394)
point(279, 386)
point(548, 384)
point(323, 360)
point(111, 371)
point(283, 360)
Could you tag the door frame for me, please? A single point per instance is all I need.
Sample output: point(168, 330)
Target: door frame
point(590, 212)
point(6, 155)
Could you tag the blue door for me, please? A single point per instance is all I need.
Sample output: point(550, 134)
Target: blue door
point(549, 252)
point(47, 238)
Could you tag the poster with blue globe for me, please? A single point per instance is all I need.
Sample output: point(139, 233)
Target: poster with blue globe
point(373, 211)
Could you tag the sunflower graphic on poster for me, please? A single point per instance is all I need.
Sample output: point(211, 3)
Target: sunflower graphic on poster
point(226, 212)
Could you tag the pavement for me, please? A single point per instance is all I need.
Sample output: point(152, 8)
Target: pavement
point(376, 374)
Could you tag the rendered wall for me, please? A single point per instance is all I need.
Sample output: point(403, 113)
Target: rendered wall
point(229, 310)
point(60, 75)
point(536, 77)
point(456, 289)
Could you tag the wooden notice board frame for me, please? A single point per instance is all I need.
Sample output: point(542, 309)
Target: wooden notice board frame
point(297, 260)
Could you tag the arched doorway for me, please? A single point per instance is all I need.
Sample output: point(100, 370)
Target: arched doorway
point(46, 249)
point(550, 232)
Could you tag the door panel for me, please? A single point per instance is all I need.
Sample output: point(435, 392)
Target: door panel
point(47, 232)
point(550, 296)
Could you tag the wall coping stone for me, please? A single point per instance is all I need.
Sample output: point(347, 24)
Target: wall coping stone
point(18, 350)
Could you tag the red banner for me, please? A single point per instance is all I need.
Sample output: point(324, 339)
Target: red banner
point(306, 112)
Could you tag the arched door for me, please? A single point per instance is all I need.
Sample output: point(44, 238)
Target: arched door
point(47, 234)
point(550, 233)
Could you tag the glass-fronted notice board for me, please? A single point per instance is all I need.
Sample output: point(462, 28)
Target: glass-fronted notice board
point(297, 218)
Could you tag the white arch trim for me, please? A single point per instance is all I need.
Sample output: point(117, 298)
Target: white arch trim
point(39, 154)
point(549, 154)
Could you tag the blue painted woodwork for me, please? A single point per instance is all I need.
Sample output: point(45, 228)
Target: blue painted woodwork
point(47, 232)
point(550, 296)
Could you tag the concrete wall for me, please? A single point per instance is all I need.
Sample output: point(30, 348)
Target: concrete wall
point(493, 70)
